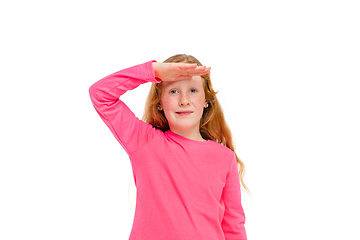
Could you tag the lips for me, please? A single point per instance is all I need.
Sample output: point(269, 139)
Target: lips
point(184, 113)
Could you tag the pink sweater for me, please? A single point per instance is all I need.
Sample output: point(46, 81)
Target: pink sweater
point(186, 189)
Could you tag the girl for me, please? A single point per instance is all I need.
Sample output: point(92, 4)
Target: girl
point(184, 166)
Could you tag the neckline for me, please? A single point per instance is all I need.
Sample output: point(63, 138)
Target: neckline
point(177, 136)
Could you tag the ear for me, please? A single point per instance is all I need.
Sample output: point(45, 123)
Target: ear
point(206, 104)
point(159, 107)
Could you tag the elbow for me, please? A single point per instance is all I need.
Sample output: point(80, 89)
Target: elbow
point(93, 92)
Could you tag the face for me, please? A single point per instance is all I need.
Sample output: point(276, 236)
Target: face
point(183, 103)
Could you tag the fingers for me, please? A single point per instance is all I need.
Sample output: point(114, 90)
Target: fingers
point(192, 74)
point(193, 69)
point(199, 71)
point(187, 65)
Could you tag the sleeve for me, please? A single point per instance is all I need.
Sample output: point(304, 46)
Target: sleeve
point(131, 132)
point(234, 217)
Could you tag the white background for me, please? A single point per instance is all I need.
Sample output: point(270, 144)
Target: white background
point(287, 73)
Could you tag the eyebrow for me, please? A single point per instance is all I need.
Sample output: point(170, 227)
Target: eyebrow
point(175, 84)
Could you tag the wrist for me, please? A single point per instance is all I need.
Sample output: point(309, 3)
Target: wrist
point(154, 65)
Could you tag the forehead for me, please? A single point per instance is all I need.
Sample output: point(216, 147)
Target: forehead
point(195, 81)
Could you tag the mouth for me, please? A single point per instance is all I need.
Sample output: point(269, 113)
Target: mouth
point(184, 113)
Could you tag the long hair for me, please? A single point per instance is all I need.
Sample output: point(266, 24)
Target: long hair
point(212, 124)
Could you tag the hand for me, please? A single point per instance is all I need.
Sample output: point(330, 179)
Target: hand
point(178, 71)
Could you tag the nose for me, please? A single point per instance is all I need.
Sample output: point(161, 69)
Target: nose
point(184, 100)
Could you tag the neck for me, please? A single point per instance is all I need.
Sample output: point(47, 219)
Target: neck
point(193, 135)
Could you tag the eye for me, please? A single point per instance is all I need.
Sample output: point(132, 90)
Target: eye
point(193, 90)
point(173, 91)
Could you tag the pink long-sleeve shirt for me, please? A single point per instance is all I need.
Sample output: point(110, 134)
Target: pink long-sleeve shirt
point(186, 189)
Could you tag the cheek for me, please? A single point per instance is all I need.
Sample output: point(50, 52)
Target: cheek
point(199, 101)
point(168, 102)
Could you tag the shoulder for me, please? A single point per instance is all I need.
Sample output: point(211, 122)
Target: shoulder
point(223, 156)
point(222, 150)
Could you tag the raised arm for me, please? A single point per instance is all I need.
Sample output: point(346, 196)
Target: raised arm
point(131, 132)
